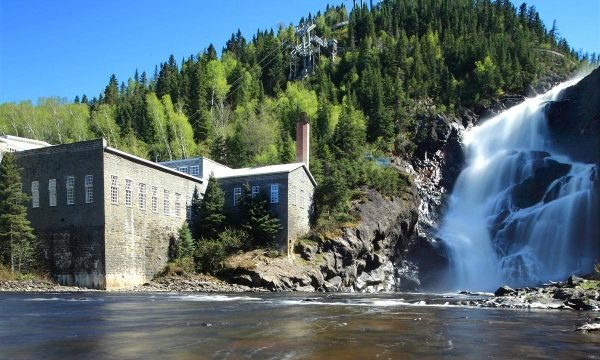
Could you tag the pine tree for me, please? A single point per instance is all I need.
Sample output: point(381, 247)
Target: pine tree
point(212, 210)
point(258, 221)
point(196, 219)
point(18, 247)
point(186, 243)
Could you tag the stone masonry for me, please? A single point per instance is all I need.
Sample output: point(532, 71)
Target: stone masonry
point(88, 238)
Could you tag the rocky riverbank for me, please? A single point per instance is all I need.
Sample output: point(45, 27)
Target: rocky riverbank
point(170, 283)
point(38, 286)
point(574, 294)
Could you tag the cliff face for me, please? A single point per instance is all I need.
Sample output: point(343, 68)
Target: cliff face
point(359, 258)
point(574, 119)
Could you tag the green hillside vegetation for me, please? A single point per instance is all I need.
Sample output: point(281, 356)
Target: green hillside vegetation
point(397, 59)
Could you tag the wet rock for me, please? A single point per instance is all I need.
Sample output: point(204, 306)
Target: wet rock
point(575, 280)
point(589, 327)
point(504, 290)
point(579, 304)
point(574, 119)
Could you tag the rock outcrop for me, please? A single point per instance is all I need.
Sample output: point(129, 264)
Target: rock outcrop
point(574, 119)
point(358, 258)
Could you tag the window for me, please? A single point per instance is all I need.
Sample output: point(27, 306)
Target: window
point(154, 199)
point(52, 192)
point(166, 203)
point(128, 192)
point(142, 196)
point(274, 193)
point(255, 191)
point(183, 169)
point(302, 199)
point(35, 194)
point(195, 170)
point(89, 189)
point(293, 194)
point(237, 194)
point(114, 189)
point(177, 205)
point(188, 206)
point(70, 190)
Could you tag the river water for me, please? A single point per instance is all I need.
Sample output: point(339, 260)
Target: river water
point(280, 326)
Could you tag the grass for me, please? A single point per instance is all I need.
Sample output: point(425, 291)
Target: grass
point(590, 285)
point(7, 275)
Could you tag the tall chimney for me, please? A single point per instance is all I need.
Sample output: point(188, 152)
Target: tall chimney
point(302, 139)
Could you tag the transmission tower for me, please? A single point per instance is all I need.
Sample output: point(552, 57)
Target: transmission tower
point(307, 52)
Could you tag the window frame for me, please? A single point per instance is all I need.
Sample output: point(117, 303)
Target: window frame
point(52, 193)
point(237, 195)
point(128, 192)
point(166, 202)
point(274, 198)
point(35, 194)
point(114, 189)
point(195, 170)
point(255, 191)
point(70, 185)
point(89, 189)
point(142, 196)
point(154, 200)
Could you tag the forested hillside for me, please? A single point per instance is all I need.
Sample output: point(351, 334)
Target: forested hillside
point(397, 59)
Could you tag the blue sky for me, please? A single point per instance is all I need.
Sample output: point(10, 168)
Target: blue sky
point(68, 47)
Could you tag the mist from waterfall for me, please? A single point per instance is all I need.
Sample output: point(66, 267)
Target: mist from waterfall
point(493, 234)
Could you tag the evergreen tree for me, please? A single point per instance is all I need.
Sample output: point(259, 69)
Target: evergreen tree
point(196, 219)
point(111, 92)
point(212, 210)
point(257, 219)
point(186, 243)
point(18, 246)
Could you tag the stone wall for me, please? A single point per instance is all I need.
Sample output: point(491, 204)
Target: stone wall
point(137, 240)
point(293, 214)
point(264, 181)
point(301, 207)
point(71, 235)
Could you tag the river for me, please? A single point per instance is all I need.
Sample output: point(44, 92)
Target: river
point(104, 325)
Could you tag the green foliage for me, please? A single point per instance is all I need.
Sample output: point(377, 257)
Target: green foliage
point(211, 253)
point(211, 217)
point(183, 246)
point(18, 246)
point(257, 220)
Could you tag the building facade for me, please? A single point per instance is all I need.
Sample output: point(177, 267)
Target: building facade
point(289, 190)
point(104, 217)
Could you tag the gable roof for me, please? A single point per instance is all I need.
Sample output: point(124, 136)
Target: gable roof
point(269, 169)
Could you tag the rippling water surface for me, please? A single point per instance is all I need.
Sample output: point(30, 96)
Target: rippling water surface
point(280, 326)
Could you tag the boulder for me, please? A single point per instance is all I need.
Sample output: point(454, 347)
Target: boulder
point(504, 290)
point(575, 280)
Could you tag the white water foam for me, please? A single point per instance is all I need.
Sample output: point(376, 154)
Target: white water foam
point(491, 238)
point(216, 298)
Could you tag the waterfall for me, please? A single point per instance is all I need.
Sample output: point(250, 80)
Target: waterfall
point(521, 212)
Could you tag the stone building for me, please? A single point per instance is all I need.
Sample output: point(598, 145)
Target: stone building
point(104, 217)
point(289, 188)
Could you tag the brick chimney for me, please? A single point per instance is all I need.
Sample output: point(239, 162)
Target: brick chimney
point(302, 139)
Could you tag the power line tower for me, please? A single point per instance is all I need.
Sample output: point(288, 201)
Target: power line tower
point(307, 52)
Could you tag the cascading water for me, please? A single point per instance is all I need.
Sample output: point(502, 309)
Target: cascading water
point(521, 212)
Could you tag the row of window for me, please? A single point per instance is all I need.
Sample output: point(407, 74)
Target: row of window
point(274, 198)
point(298, 198)
point(142, 197)
point(193, 170)
point(70, 186)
